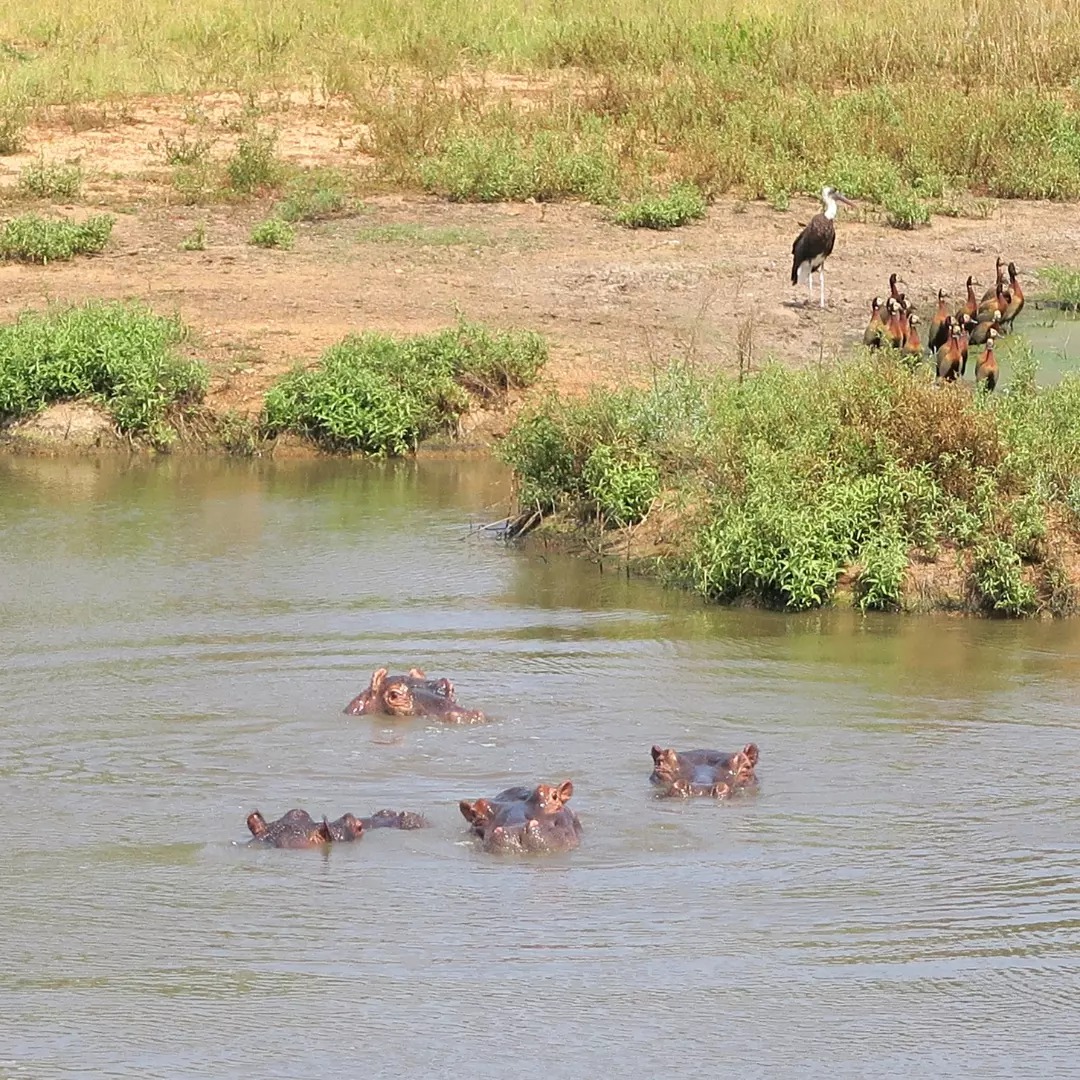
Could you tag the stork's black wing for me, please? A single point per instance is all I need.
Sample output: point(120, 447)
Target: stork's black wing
point(813, 245)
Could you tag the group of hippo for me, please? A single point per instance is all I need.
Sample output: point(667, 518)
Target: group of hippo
point(519, 819)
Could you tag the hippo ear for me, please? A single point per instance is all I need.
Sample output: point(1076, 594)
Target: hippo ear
point(256, 823)
point(323, 831)
point(657, 753)
point(377, 679)
point(468, 812)
point(750, 752)
point(417, 673)
point(566, 789)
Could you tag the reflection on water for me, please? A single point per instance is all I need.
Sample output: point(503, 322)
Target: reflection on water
point(178, 641)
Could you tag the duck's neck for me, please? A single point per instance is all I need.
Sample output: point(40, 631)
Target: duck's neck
point(830, 207)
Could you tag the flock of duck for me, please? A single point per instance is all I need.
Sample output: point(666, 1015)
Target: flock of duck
point(534, 819)
point(894, 324)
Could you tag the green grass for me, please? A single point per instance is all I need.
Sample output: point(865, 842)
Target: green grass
point(272, 233)
point(254, 165)
point(121, 355)
point(32, 238)
point(44, 180)
point(423, 235)
point(313, 195)
point(195, 240)
point(1062, 285)
point(381, 395)
point(783, 482)
point(682, 204)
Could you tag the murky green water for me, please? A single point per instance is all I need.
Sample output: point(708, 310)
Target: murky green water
point(1055, 340)
point(177, 642)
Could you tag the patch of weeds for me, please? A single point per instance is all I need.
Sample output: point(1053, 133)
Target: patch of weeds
point(44, 180)
point(311, 196)
point(12, 129)
point(119, 354)
point(997, 573)
point(272, 233)
point(182, 150)
point(381, 395)
point(883, 562)
point(423, 235)
point(682, 204)
point(905, 210)
point(195, 240)
point(254, 163)
point(32, 238)
point(621, 484)
point(1061, 285)
point(196, 184)
point(240, 434)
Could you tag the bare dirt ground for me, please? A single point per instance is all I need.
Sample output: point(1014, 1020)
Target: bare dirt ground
point(613, 302)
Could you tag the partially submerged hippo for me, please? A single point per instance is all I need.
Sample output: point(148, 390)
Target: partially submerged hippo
point(413, 694)
point(704, 772)
point(298, 829)
point(525, 819)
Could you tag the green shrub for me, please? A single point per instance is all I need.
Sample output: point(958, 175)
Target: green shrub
point(195, 240)
point(682, 204)
point(50, 181)
point(793, 479)
point(120, 354)
point(312, 196)
point(272, 233)
point(254, 163)
point(32, 238)
point(381, 395)
point(905, 210)
point(12, 129)
point(1062, 285)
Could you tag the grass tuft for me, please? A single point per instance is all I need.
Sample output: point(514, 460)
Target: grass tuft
point(254, 165)
point(43, 180)
point(32, 238)
point(424, 235)
point(312, 196)
point(1062, 286)
point(682, 204)
point(381, 395)
point(273, 233)
point(119, 354)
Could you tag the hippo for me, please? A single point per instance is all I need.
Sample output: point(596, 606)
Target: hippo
point(413, 694)
point(298, 829)
point(525, 819)
point(704, 772)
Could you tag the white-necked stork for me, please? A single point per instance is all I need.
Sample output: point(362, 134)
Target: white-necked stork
point(815, 243)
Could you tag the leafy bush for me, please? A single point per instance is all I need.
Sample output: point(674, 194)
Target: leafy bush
point(381, 395)
point(50, 181)
point(272, 233)
point(905, 210)
point(311, 196)
point(1063, 285)
point(794, 479)
point(120, 354)
point(32, 238)
point(682, 204)
point(254, 163)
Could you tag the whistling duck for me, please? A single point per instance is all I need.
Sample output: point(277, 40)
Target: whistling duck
point(948, 356)
point(939, 331)
point(912, 344)
point(875, 328)
point(815, 243)
point(998, 302)
point(963, 339)
point(971, 306)
point(986, 368)
point(999, 279)
point(894, 325)
point(983, 327)
point(1015, 304)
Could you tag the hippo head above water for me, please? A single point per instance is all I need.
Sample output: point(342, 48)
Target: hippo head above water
point(413, 694)
point(704, 772)
point(523, 819)
point(298, 829)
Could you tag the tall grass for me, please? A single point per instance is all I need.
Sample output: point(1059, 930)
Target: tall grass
point(119, 354)
point(768, 97)
point(381, 395)
point(783, 482)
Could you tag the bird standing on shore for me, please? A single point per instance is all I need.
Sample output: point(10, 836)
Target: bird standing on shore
point(815, 243)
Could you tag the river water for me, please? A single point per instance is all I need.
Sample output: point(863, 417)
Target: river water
point(177, 642)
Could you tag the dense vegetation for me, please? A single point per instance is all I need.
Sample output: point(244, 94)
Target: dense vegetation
point(121, 355)
point(32, 238)
point(780, 483)
point(621, 97)
point(381, 395)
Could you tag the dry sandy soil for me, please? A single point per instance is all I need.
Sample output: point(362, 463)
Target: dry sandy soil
point(613, 302)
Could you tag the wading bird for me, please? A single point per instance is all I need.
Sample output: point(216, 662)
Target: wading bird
point(875, 327)
point(999, 280)
point(912, 345)
point(948, 356)
point(971, 306)
point(939, 329)
point(1016, 302)
point(983, 328)
point(815, 243)
point(986, 369)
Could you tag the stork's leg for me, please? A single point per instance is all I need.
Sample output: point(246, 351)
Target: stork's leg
point(821, 277)
point(810, 284)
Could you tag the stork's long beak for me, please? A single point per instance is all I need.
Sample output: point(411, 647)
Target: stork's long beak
point(842, 198)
